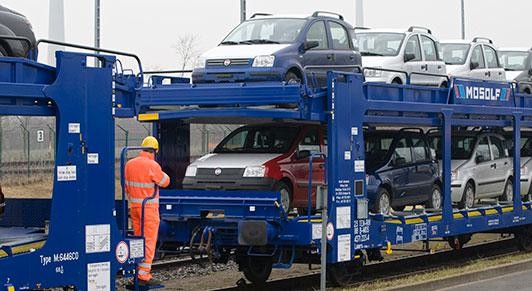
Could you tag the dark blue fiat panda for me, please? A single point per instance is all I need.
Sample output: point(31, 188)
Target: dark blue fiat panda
point(281, 48)
point(402, 171)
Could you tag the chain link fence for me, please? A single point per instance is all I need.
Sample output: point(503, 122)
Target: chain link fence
point(27, 147)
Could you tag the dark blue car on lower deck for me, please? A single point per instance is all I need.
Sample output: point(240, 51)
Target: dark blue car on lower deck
point(402, 170)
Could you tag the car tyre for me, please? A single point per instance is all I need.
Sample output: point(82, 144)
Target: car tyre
point(383, 202)
point(292, 78)
point(468, 197)
point(508, 194)
point(286, 196)
point(435, 199)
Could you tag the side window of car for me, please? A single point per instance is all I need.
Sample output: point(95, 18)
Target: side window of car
point(491, 57)
point(412, 48)
point(237, 141)
point(402, 152)
point(483, 149)
point(477, 57)
point(420, 150)
point(318, 33)
point(309, 144)
point(429, 48)
point(497, 148)
point(340, 37)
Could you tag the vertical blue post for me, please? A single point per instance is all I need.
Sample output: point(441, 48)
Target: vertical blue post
point(446, 167)
point(517, 162)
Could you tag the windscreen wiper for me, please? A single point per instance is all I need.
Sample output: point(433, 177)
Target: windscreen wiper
point(259, 41)
point(229, 42)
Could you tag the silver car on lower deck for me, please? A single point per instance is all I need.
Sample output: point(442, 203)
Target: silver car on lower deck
point(481, 166)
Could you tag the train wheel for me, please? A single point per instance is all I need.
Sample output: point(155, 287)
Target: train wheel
point(523, 238)
point(458, 242)
point(341, 274)
point(256, 269)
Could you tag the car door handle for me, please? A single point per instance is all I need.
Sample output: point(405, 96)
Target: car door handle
point(439, 67)
point(488, 74)
point(505, 163)
point(330, 56)
point(351, 57)
point(494, 165)
point(321, 166)
point(425, 67)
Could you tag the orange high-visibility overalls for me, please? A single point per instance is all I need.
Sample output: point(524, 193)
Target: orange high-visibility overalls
point(142, 174)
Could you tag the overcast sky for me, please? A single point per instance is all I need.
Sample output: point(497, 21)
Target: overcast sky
point(150, 28)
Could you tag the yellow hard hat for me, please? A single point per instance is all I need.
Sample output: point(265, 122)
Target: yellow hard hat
point(150, 142)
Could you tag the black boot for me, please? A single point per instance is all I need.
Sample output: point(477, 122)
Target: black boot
point(151, 282)
point(374, 255)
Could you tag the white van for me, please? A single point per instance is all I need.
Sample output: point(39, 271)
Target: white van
point(412, 51)
point(513, 60)
point(476, 59)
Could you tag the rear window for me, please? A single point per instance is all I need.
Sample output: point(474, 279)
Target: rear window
point(261, 139)
point(461, 147)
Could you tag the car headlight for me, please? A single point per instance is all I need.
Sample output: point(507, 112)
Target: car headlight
point(454, 175)
point(264, 61)
point(200, 63)
point(191, 171)
point(257, 172)
point(373, 73)
point(523, 171)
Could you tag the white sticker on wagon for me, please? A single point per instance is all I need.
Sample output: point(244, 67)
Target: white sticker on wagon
point(344, 247)
point(359, 166)
point(343, 217)
point(97, 238)
point(74, 128)
point(93, 158)
point(66, 173)
point(99, 276)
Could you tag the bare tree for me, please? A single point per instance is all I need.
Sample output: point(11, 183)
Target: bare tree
point(187, 50)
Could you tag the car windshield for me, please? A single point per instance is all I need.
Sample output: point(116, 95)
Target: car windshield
point(513, 60)
point(461, 147)
point(259, 139)
point(264, 31)
point(454, 53)
point(379, 44)
point(377, 148)
point(526, 146)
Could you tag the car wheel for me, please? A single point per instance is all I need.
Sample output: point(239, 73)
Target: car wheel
point(397, 81)
point(508, 194)
point(286, 196)
point(292, 78)
point(468, 198)
point(435, 200)
point(399, 208)
point(383, 202)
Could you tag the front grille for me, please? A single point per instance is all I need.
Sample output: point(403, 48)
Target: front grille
point(233, 62)
point(226, 172)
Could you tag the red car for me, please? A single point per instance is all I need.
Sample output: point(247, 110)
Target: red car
point(272, 156)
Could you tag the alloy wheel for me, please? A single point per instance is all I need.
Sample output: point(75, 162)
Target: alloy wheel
point(384, 204)
point(436, 198)
point(285, 200)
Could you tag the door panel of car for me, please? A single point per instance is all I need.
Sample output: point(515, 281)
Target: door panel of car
point(496, 72)
point(317, 61)
point(477, 57)
point(434, 65)
point(502, 161)
point(483, 171)
point(421, 175)
point(413, 48)
point(400, 174)
point(344, 56)
point(308, 144)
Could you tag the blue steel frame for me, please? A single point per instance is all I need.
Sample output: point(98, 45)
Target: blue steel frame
point(80, 97)
point(350, 104)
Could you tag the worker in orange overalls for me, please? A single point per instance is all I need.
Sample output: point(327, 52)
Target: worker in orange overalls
point(142, 174)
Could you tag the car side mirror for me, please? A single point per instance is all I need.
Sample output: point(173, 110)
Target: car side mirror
point(311, 44)
point(399, 161)
point(530, 72)
point(479, 159)
point(409, 57)
point(474, 65)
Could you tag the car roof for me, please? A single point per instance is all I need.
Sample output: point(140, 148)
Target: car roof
point(456, 41)
point(295, 16)
point(381, 30)
point(514, 49)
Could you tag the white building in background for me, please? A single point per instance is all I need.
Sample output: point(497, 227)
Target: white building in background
point(56, 28)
